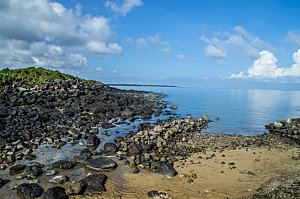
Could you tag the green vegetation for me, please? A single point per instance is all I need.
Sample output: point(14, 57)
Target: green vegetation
point(31, 76)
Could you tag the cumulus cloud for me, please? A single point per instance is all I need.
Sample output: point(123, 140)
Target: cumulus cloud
point(125, 8)
point(181, 57)
point(240, 40)
point(266, 67)
point(45, 33)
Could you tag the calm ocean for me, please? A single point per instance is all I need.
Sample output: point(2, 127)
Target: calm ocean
point(242, 112)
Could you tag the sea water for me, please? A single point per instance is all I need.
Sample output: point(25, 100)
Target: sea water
point(241, 112)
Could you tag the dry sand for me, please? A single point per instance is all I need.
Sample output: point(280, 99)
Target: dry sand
point(216, 178)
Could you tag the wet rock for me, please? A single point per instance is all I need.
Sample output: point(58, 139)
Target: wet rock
point(206, 118)
point(166, 169)
point(173, 107)
point(135, 149)
point(95, 184)
point(33, 171)
point(16, 168)
point(51, 172)
point(77, 187)
point(106, 125)
point(58, 179)
point(97, 164)
point(86, 153)
point(110, 147)
point(159, 194)
point(92, 140)
point(20, 176)
point(55, 193)
point(3, 182)
point(27, 190)
point(63, 164)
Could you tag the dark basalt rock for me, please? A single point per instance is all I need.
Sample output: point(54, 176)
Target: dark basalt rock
point(97, 164)
point(166, 170)
point(77, 187)
point(110, 147)
point(27, 190)
point(63, 164)
point(33, 171)
point(135, 149)
point(55, 193)
point(92, 141)
point(86, 153)
point(3, 182)
point(95, 184)
point(16, 168)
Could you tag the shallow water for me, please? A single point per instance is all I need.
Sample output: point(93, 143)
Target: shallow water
point(242, 112)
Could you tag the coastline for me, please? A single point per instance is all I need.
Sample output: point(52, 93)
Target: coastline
point(175, 141)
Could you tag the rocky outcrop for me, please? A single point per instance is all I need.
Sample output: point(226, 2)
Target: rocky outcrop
point(289, 128)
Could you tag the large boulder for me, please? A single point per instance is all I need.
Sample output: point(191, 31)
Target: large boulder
point(27, 190)
point(97, 164)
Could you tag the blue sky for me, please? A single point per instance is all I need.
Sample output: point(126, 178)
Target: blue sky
point(212, 43)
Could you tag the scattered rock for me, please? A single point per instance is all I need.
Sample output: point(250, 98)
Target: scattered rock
point(63, 164)
point(95, 184)
point(16, 168)
point(33, 171)
point(77, 187)
point(27, 190)
point(3, 182)
point(110, 147)
point(97, 164)
point(58, 179)
point(166, 170)
point(55, 193)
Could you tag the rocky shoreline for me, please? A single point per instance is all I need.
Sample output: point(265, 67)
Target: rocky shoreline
point(60, 113)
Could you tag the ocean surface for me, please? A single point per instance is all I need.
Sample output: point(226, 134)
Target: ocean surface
point(241, 112)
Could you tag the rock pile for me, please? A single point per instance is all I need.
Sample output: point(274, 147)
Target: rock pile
point(160, 143)
point(289, 128)
point(45, 114)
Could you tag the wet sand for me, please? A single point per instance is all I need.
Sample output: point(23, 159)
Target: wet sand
point(216, 177)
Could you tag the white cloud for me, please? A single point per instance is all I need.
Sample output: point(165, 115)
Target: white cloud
point(241, 41)
point(293, 38)
point(181, 57)
point(212, 51)
point(154, 41)
point(99, 69)
point(266, 67)
point(114, 71)
point(45, 33)
point(165, 50)
point(123, 9)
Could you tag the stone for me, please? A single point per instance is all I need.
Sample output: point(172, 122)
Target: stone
point(16, 168)
point(92, 141)
point(95, 184)
point(20, 176)
point(159, 194)
point(27, 190)
point(173, 107)
point(135, 149)
point(110, 147)
point(58, 179)
point(166, 169)
point(51, 172)
point(97, 164)
point(33, 171)
point(55, 193)
point(86, 153)
point(206, 118)
point(77, 187)
point(63, 164)
point(3, 182)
